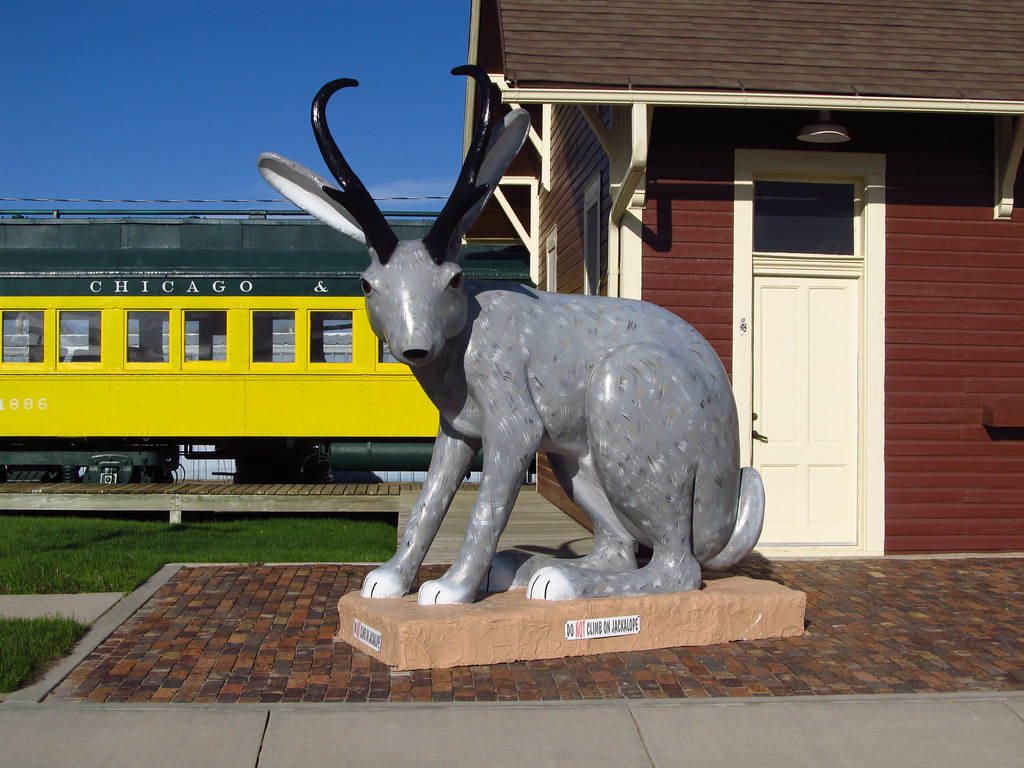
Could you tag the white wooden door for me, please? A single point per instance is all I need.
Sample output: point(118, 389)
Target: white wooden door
point(806, 343)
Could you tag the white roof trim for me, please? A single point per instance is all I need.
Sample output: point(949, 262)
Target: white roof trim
point(757, 100)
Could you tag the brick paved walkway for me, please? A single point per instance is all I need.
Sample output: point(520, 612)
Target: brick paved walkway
point(264, 634)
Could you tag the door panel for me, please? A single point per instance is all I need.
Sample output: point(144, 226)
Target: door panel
point(806, 342)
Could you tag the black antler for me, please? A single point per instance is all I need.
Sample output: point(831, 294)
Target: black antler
point(466, 193)
point(352, 195)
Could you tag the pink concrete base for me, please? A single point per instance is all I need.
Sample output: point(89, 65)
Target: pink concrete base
point(507, 627)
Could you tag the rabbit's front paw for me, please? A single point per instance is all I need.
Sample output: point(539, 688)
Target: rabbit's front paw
point(384, 582)
point(441, 592)
point(504, 571)
point(552, 583)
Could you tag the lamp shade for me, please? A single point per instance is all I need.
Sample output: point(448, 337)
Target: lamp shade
point(824, 131)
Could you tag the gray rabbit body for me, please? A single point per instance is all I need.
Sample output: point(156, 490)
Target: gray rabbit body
point(631, 403)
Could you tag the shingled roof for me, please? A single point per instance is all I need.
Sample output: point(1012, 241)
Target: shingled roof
point(945, 49)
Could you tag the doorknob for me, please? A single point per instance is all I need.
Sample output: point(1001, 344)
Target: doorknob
point(755, 434)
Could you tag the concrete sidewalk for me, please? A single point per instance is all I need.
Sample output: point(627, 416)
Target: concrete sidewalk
point(84, 608)
point(967, 730)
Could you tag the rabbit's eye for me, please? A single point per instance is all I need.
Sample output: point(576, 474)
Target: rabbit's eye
point(365, 285)
point(456, 281)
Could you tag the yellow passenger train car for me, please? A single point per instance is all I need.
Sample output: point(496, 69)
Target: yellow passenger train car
point(127, 343)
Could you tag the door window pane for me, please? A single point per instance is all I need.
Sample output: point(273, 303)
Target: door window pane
point(206, 336)
point(330, 337)
point(149, 337)
point(273, 337)
point(803, 217)
point(80, 337)
point(22, 337)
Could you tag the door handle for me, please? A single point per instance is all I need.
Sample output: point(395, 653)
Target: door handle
point(759, 437)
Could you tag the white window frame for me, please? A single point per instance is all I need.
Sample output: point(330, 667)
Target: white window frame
point(551, 260)
point(592, 237)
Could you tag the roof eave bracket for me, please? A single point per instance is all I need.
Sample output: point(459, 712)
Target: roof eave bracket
point(597, 125)
point(1009, 148)
point(637, 164)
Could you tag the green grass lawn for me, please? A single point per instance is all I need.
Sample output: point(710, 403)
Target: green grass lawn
point(28, 646)
point(54, 555)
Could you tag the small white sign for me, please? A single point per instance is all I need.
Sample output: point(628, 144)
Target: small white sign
point(588, 629)
point(366, 634)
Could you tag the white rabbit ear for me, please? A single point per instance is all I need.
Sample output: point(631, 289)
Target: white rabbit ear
point(490, 152)
point(507, 139)
point(306, 189)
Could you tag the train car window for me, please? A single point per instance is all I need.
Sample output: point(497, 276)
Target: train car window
point(149, 337)
point(206, 336)
point(273, 337)
point(22, 337)
point(330, 337)
point(80, 336)
point(384, 353)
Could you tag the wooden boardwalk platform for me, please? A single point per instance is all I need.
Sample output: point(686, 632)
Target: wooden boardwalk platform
point(176, 499)
point(536, 526)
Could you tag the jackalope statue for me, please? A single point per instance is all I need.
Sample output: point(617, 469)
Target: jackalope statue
point(631, 404)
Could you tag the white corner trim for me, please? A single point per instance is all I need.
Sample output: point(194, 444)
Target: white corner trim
point(630, 244)
point(547, 124)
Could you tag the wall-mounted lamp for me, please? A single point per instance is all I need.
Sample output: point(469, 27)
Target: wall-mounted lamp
point(824, 131)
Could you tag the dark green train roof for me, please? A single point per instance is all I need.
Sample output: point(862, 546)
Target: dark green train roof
point(32, 248)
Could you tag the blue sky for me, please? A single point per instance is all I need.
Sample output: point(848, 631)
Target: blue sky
point(130, 99)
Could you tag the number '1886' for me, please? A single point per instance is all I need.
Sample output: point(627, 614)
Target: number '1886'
point(23, 404)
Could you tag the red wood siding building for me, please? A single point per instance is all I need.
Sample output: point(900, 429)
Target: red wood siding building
point(954, 343)
point(927, 102)
point(954, 346)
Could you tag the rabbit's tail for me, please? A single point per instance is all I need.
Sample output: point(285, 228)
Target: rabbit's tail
point(749, 519)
